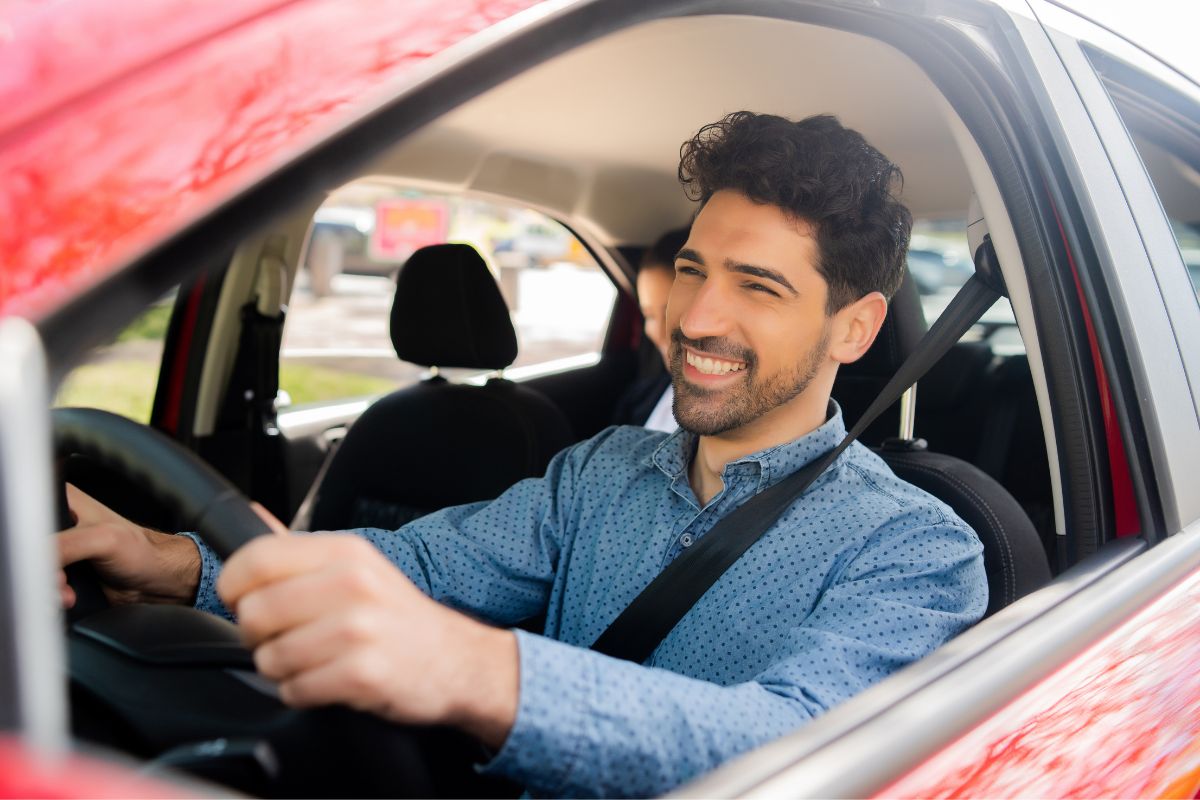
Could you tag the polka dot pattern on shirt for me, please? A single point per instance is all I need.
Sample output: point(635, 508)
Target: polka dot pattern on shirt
point(861, 576)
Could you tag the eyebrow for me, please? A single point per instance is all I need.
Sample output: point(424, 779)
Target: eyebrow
point(765, 273)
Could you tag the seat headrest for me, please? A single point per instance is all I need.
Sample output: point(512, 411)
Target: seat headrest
point(902, 330)
point(449, 312)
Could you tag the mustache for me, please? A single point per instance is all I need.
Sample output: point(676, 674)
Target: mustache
point(714, 345)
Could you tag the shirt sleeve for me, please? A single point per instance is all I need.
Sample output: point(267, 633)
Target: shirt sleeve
point(494, 560)
point(591, 725)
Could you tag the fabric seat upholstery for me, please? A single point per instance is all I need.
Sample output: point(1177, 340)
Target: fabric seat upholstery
point(439, 443)
point(1014, 557)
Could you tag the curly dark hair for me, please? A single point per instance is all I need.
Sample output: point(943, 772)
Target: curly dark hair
point(820, 172)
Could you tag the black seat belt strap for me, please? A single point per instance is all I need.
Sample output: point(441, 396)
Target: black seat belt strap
point(646, 621)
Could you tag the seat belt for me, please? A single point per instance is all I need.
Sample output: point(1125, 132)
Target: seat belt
point(654, 613)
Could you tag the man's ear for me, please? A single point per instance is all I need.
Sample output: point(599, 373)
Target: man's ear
point(856, 326)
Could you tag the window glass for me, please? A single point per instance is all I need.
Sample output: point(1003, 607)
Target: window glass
point(1188, 236)
point(939, 261)
point(1165, 128)
point(336, 343)
point(1177, 188)
point(121, 377)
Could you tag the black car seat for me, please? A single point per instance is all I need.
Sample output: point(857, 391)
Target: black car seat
point(1013, 555)
point(439, 443)
point(858, 384)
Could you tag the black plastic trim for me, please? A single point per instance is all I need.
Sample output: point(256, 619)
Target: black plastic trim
point(167, 636)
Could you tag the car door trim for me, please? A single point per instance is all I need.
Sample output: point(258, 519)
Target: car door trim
point(854, 750)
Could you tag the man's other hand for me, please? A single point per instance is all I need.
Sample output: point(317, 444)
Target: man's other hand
point(333, 621)
point(135, 564)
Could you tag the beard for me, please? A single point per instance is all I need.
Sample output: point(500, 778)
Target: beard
point(709, 412)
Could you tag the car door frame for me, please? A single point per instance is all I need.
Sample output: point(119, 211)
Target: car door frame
point(1140, 275)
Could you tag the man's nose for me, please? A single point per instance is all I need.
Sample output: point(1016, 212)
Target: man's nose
point(708, 313)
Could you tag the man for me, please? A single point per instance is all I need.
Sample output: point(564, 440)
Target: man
point(783, 277)
point(649, 401)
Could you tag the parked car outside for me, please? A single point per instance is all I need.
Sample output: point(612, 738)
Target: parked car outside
point(188, 148)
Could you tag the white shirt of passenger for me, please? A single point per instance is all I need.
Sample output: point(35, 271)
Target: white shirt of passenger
point(662, 418)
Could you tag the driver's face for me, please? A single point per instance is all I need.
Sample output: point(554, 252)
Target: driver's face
point(749, 331)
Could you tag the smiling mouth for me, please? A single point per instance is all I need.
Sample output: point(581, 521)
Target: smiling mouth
point(712, 366)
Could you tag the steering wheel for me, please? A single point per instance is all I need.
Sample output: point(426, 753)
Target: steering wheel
point(174, 684)
point(203, 500)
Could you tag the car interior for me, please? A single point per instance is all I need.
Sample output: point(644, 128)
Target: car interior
point(590, 139)
point(514, 143)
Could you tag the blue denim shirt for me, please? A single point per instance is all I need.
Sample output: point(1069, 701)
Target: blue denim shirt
point(864, 574)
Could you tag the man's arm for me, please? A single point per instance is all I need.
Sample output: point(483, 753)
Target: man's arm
point(494, 560)
point(333, 622)
point(136, 564)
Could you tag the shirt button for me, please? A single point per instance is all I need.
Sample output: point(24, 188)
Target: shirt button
point(686, 540)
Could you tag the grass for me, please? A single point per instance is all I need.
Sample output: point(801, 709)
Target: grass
point(127, 387)
point(150, 326)
point(309, 384)
point(123, 387)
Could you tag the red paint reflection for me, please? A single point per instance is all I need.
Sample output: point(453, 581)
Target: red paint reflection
point(1121, 720)
point(96, 182)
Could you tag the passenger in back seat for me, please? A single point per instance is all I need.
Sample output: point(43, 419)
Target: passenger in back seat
point(783, 278)
point(649, 400)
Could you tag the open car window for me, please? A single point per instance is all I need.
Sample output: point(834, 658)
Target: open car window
point(122, 376)
point(336, 343)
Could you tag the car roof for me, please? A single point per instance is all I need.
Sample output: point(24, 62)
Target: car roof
point(58, 52)
point(108, 146)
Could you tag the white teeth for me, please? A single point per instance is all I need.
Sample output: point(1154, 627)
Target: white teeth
point(712, 366)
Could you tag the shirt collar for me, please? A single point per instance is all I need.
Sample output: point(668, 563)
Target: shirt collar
point(772, 464)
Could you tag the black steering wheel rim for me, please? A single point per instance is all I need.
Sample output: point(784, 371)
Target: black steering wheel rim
point(202, 499)
point(189, 662)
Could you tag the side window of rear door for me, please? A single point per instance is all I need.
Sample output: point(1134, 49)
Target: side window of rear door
point(1164, 126)
point(336, 344)
point(939, 262)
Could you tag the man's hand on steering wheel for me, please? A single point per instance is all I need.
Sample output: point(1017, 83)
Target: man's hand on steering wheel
point(334, 622)
point(134, 564)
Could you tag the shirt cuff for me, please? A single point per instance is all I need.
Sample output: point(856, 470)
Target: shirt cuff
point(206, 592)
point(549, 735)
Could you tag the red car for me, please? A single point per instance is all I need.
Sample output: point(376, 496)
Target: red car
point(160, 168)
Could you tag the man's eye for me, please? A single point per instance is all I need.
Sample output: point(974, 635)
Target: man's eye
point(685, 270)
point(758, 287)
